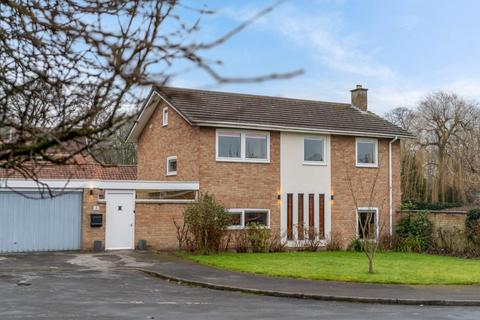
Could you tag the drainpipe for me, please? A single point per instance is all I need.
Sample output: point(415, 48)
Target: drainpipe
point(390, 184)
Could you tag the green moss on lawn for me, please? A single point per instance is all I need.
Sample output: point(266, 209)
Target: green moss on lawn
point(398, 268)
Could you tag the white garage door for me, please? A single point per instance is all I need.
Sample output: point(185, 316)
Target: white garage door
point(30, 223)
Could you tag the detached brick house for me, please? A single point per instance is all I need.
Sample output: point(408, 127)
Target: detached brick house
point(285, 163)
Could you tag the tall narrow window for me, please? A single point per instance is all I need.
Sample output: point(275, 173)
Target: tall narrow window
point(311, 216)
point(165, 116)
point(321, 214)
point(290, 216)
point(171, 166)
point(301, 230)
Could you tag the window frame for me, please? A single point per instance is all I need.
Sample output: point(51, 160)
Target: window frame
point(315, 163)
point(242, 217)
point(171, 173)
point(367, 165)
point(243, 145)
point(142, 200)
point(165, 117)
point(357, 232)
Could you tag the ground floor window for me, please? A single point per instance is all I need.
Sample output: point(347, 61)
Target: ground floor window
point(367, 223)
point(240, 218)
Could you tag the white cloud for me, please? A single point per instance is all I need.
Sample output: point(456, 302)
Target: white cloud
point(323, 36)
point(384, 98)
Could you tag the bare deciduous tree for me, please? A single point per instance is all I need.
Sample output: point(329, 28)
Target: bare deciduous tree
point(369, 223)
point(442, 165)
point(69, 68)
point(115, 150)
point(443, 120)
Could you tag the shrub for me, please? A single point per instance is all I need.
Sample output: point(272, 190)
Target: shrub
point(276, 244)
point(355, 245)
point(207, 221)
point(415, 232)
point(258, 236)
point(388, 242)
point(472, 225)
point(335, 242)
point(450, 241)
point(311, 239)
point(241, 242)
point(183, 235)
point(411, 243)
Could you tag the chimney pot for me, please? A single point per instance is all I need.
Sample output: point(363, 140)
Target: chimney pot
point(359, 97)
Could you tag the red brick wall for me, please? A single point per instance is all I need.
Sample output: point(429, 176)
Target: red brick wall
point(440, 219)
point(362, 180)
point(156, 143)
point(154, 223)
point(90, 234)
point(241, 185)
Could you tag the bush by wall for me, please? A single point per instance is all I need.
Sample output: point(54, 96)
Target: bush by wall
point(207, 221)
point(415, 232)
point(472, 225)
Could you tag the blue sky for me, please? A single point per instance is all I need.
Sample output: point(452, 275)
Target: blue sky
point(399, 50)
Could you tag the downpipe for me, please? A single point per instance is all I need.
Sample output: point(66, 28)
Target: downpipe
point(390, 184)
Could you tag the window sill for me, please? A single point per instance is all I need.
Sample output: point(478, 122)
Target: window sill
point(311, 163)
point(242, 228)
point(171, 174)
point(163, 201)
point(373, 165)
point(243, 160)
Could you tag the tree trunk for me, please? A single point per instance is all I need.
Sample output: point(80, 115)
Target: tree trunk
point(370, 265)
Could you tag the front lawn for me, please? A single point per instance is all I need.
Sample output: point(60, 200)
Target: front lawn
point(391, 267)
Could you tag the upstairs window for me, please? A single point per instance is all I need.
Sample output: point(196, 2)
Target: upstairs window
point(165, 116)
point(242, 146)
point(367, 152)
point(256, 146)
point(171, 166)
point(314, 150)
point(229, 145)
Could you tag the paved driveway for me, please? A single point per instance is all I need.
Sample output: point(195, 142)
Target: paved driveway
point(104, 286)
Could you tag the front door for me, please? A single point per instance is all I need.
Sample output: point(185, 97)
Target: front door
point(120, 220)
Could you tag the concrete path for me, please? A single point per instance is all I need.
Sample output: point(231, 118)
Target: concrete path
point(170, 267)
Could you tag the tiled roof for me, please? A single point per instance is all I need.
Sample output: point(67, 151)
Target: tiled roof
point(91, 171)
point(204, 107)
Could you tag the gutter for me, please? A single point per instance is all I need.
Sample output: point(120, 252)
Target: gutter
point(253, 126)
point(390, 184)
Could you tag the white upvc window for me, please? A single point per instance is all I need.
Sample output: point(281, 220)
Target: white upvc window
point(165, 116)
point(366, 152)
point(172, 166)
point(242, 218)
point(367, 223)
point(314, 150)
point(242, 146)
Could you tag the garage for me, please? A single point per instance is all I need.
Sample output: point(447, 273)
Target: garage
point(29, 222)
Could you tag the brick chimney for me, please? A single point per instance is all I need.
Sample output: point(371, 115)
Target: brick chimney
point(359, 97)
